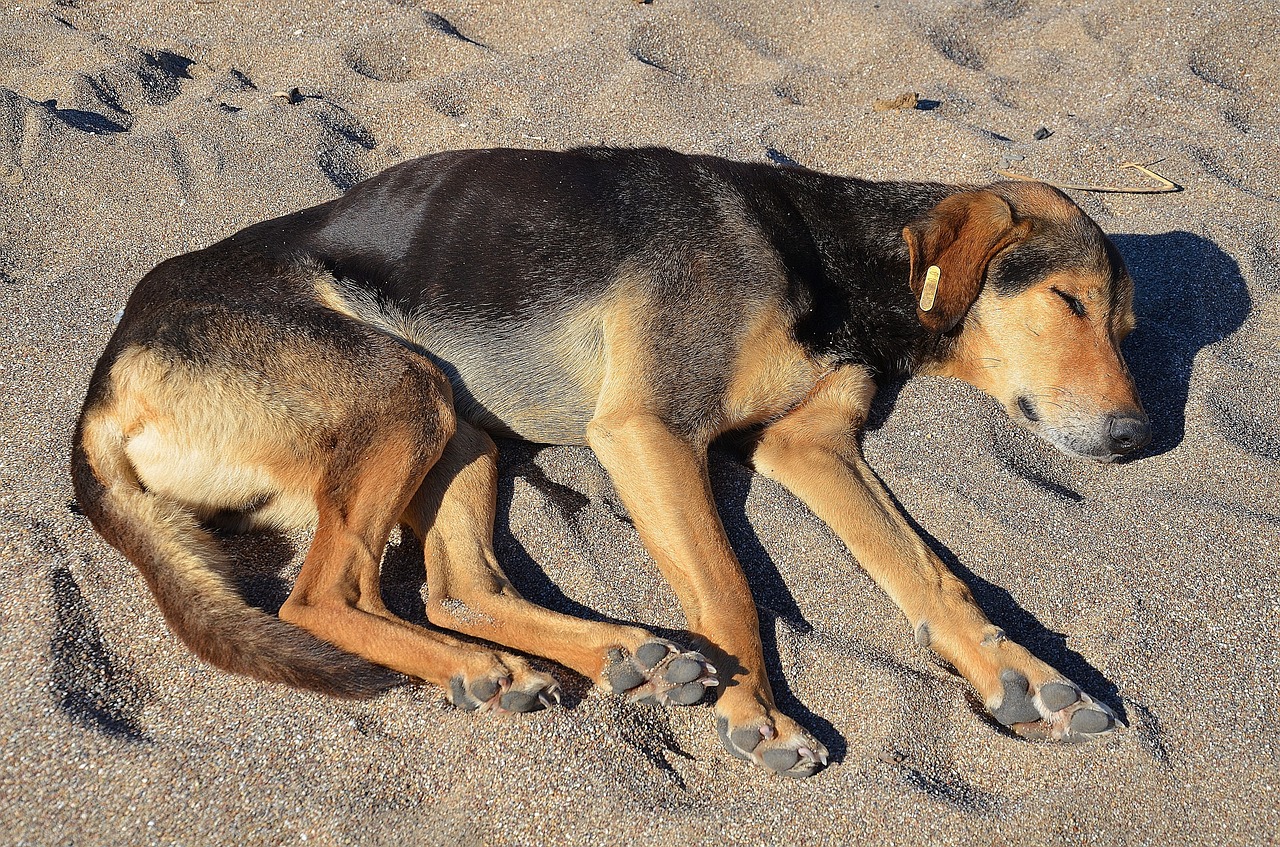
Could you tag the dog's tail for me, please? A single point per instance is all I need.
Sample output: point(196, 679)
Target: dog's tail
point(187, 573)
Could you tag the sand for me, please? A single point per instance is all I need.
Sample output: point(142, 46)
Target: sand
point(132, 130)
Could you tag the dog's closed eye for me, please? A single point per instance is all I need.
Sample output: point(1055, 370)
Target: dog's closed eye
point(1074, 304)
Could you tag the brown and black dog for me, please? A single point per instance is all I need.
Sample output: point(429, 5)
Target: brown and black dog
point(346, 365)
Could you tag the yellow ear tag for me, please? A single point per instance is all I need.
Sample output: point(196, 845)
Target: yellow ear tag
point(930, 290)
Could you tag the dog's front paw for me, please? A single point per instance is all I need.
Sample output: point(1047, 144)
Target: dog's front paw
point(1020, 691)
point(510, 686)
point(774, 742)
point(658, 673)
point(1054, 711)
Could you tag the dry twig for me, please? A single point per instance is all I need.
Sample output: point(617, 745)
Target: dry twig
point(1166, 186)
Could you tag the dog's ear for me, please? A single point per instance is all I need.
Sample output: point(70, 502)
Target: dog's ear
point(950, 249)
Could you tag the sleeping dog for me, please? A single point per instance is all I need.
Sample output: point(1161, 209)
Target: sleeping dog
point(346, 367)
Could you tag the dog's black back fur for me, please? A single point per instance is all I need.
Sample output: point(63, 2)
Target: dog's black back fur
point(421, 235)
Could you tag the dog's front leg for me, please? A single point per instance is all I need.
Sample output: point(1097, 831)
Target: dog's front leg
point(814, 452)
point(662, 479)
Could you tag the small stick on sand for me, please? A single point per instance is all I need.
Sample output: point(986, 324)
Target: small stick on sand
point(1166, 187)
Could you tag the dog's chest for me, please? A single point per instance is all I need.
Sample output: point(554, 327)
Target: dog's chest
point(771, 375)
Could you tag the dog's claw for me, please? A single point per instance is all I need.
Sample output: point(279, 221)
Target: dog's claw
point(659, 673)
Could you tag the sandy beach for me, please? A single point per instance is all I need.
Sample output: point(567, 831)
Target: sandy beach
point(134, 130)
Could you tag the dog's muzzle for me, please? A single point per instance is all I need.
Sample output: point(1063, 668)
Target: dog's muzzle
point(1103, 438)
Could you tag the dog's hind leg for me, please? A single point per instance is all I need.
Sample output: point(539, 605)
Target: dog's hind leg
point(366, 486)
point(814, 452)
point(305, 416)
point(453, 514)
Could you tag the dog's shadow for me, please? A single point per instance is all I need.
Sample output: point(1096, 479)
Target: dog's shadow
point(263, 570)
point(1188, 294)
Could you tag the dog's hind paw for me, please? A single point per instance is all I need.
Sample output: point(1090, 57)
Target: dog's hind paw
point(775, 743)
point(1054, 711)
point(659, 673)
point(519, 689)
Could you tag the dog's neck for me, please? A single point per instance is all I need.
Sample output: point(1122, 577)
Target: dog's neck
point(863, 311)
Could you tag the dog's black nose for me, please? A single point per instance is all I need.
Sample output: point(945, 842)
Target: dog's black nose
point(1129, 432)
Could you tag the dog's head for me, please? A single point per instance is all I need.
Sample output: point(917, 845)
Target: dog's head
point(1037, 301)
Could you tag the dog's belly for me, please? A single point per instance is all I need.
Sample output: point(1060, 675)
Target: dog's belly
point(531, 381)
point(533, 374)
point(528, 399)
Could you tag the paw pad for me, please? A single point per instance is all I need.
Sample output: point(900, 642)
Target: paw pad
point(504, 694)
point(1091, 721)
point(1017, 705)
point(792, 754)
point(1057, 696)
point(1058, 711)
point(659, 672)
